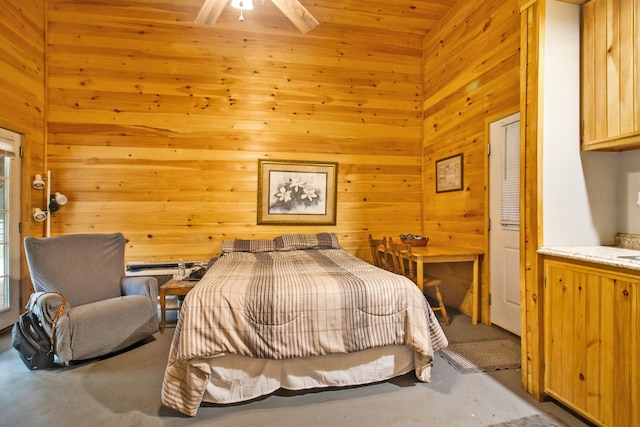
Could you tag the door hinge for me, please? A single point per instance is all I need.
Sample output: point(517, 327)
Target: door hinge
point(489, 224)
point(19, 228)
point(489, 299)
point(488, 149)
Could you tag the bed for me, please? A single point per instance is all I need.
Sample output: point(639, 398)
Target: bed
point(296, 312)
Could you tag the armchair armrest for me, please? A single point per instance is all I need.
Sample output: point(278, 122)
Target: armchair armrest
point(45, 305)
point(140, 285)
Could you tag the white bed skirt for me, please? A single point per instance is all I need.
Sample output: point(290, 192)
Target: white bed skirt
point(239, 378)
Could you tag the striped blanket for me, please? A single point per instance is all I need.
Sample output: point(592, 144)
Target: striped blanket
point(292, 304)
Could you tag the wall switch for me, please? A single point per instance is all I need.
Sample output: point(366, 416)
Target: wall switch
point(638, 201)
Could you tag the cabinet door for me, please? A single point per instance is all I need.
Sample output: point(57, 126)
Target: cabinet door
point(610, 75)
point(591, 342)
point(568, 332)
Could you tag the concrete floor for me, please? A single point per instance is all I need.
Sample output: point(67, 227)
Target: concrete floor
point(124, 390)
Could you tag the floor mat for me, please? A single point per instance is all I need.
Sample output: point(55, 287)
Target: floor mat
point(482, 356)
point(537, 420)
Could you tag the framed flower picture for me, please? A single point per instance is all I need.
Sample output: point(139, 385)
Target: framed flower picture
point(297, 192)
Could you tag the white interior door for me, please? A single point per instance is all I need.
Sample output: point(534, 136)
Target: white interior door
point(504, 214)
point(9, 228)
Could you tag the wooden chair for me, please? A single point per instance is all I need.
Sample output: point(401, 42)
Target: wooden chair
point(379, 252)
point(401, 252)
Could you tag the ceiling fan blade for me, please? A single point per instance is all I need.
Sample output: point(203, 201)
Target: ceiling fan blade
point(297, 13)
point(210, 11)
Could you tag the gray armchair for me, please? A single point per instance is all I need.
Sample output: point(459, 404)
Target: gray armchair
point(105, 310)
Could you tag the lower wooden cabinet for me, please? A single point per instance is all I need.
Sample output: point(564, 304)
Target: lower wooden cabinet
point(591, 340)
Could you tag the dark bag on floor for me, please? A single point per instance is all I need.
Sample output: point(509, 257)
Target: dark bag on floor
point(32, 342)
point(29, 337)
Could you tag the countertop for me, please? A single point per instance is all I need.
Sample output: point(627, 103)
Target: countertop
point(607, 255)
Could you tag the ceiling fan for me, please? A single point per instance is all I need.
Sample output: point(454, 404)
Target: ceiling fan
point(292, 9)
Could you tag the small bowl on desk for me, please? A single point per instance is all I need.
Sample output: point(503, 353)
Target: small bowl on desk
point(417, 241)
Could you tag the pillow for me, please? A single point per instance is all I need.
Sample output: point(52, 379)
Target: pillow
point(328, 241)
point(239, 245)
point(290, 242)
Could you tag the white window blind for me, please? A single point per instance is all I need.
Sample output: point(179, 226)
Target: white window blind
point(510, 171)
point(8, 144)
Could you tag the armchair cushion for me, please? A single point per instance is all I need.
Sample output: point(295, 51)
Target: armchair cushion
point(83, 267)
point(127, 319)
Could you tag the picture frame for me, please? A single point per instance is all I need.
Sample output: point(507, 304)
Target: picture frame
point(294, 192)
point(449, 174)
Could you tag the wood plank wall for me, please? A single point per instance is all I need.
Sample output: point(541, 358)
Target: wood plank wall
point(156, 124)
point(471, 68)
point(23, 104)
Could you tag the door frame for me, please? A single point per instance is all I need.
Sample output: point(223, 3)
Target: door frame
point(10, 315)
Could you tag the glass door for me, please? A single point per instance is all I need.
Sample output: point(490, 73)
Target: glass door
point(9, 228)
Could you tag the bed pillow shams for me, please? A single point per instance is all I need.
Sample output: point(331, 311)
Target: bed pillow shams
point(239, 245)
point(290, 242)
point(286, 242)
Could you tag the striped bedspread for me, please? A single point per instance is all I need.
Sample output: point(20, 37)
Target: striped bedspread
point(291, 304)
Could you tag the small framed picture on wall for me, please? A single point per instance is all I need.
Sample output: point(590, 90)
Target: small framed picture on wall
point(449, 174)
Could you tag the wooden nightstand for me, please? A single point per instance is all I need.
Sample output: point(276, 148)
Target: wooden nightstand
point(172, 287)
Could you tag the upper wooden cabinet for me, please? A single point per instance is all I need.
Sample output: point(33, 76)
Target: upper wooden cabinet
point(610, 75)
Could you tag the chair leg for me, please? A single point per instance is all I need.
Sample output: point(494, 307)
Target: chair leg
point(441, 305)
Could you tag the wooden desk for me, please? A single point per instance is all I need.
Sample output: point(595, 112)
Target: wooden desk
point(172, 287)
point(432, 254)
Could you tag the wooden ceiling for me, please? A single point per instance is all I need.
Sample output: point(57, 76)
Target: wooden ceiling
point(370, 17)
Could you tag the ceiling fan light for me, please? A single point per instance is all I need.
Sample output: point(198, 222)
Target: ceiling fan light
point(242, 4)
